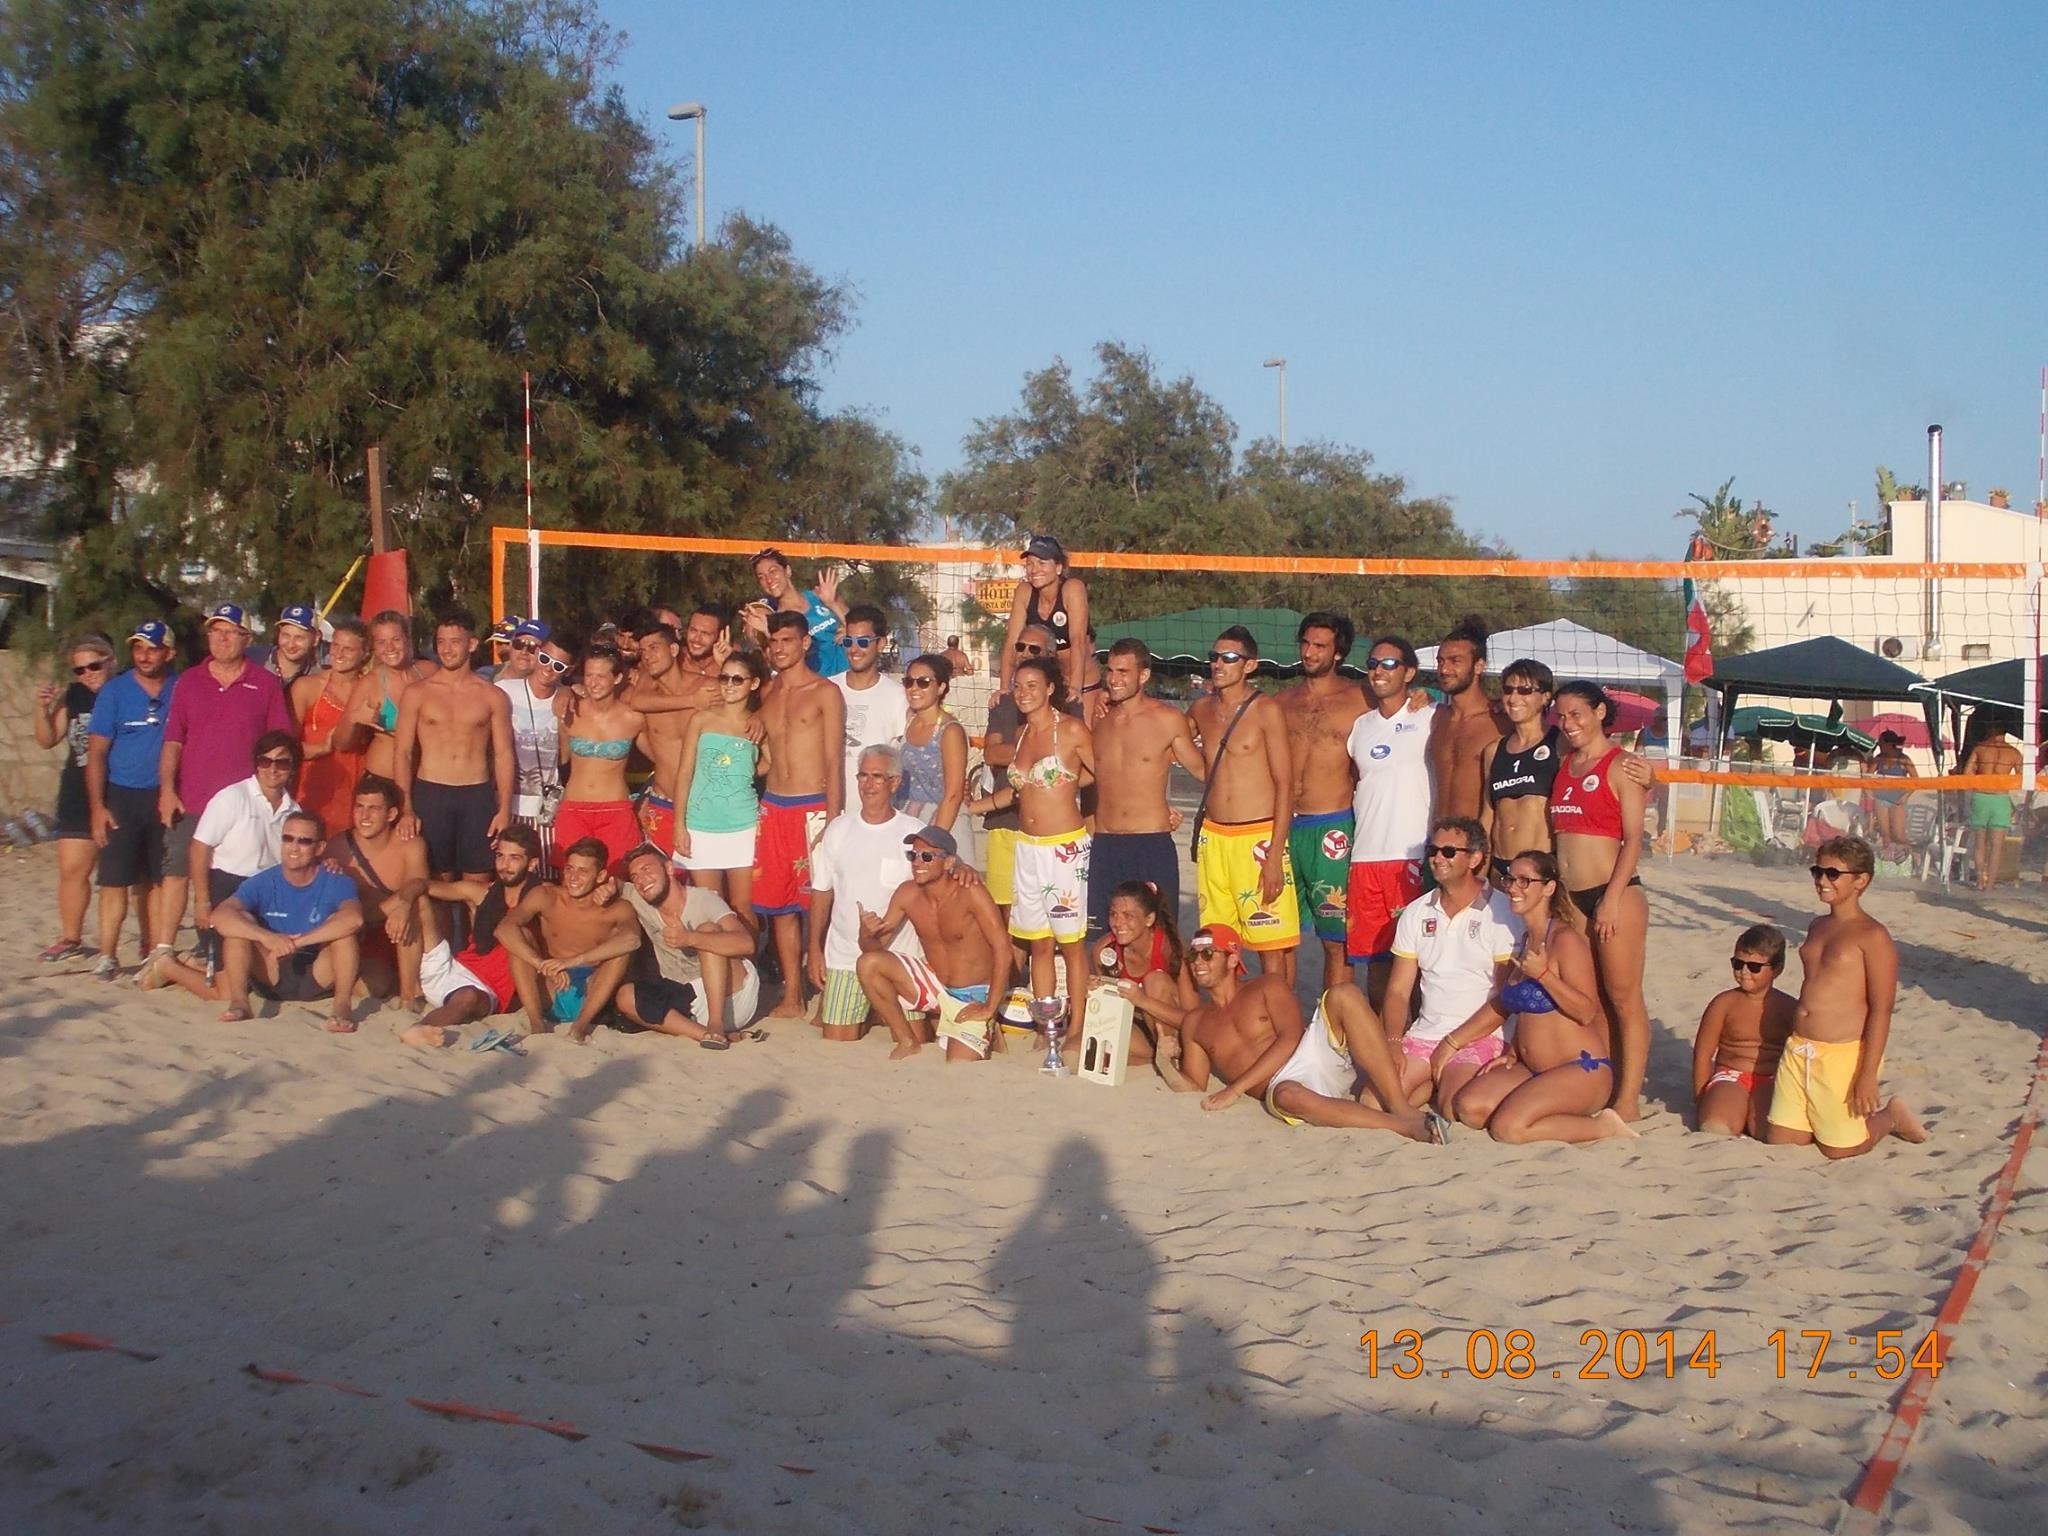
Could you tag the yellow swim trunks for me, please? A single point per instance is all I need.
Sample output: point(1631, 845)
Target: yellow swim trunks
point(1227, 870)
point(1812, 1092)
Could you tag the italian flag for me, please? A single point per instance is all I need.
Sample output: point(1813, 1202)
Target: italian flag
point(1699, 643)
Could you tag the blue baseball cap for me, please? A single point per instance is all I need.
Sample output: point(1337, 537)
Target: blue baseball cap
point(226, 613)
point(152, 632)
point(300, 614)
point(532, 629)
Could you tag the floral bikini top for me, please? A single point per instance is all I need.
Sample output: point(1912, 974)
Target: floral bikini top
point(1048, 772)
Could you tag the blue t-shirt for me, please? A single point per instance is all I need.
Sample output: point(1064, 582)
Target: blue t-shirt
point(828, 656)
point(133, 725)
point(283, 907)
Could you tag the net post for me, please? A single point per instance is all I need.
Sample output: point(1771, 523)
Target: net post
point(2030, 682)
point(533, 573)
point(497, 576)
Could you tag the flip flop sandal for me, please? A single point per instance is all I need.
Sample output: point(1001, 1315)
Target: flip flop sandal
point(489, 1040)
point(1439, 1128)
point(63, 949)
point(715, 1043)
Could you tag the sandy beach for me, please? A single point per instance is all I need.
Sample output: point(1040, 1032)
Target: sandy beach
point(976, 1299)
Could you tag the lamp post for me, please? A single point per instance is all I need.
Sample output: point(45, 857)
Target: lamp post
point(685, 112)
point(1281, 364)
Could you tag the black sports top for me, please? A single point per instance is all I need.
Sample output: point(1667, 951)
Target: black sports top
point(1531, 771)
point(1056, 621)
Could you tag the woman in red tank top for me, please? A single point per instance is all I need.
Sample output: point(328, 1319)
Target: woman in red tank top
point(1596, 822)
point(327, 782)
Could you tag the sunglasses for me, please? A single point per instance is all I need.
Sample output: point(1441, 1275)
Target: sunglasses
point(863, 642)
point(920, 682)
point(1233, 657)
point(1384, 664)
point(282, 764)
point(925, 856)
point(299, 840)
point(1026, 648)
point(1754, 967)
point(526, 645)
point(1828, 872)
point(737, 679)
point(1444, 850)
point(90, 666)
point(1520, 690)
point(553, 664)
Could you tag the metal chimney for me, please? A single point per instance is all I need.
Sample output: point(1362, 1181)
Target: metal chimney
point(1930, 642)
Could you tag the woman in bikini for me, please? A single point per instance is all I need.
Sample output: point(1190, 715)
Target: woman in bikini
point(393, 669)
point(332, 743)
point(1596, 817)
point(595, 746)
point(717, 808)
point(1554, 1083)
point(1144, 947)
point(1049, 908)
point(934, 750)
point(1048, 595)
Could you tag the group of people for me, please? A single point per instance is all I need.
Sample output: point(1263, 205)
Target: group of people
point(469, 844)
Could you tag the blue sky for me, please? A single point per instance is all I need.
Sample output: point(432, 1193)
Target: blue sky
point(1560, 264)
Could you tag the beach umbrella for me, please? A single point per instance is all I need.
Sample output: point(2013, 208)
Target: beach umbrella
point(1911, 729)
point(1804, 733)
point(1632, 711)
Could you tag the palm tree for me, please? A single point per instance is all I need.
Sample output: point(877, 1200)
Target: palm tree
point(1726, 530)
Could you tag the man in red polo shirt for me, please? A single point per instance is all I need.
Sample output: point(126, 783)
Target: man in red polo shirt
point(217, 712)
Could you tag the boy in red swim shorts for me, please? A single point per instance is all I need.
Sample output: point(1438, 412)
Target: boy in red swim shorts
point(1741, 1036)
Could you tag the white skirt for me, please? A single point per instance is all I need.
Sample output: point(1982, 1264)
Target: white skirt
point(720, 850)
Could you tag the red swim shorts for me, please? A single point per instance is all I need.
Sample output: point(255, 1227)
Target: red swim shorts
point(1375, 895)
point(790, 825)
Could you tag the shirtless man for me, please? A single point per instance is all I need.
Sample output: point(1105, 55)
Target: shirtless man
point(1990, 810)
point(1320, 711)
point(1466, 725)
point(804, 720)
point(476, 982)
point(1244, 1033)
point(966, 966)
point(459, 792)
point(1827, 1078)
point(391, 874)
point(1243, 875)
point(1138, 739)
point(567, 970)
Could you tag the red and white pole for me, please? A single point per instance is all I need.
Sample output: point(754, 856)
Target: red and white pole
point(532, 537)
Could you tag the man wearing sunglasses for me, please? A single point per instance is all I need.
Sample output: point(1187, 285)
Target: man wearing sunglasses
point(531, 681)
point(1389, 749)
point(1244, 1030)
point(877, 709)
point(289, 931)
point(1243, 875)
point(965, 968)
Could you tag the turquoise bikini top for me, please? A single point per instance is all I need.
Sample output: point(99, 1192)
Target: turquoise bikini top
point(611, 751)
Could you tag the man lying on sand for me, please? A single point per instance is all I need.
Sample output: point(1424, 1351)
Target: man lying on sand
point(1244, 1033)
point(1827, 1081)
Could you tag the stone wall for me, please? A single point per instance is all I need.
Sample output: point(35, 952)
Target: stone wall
point(28, 773)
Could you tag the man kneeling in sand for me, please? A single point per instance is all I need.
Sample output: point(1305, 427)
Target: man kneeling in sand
point(568, 968)
point(390, 875)
point(966, 960)
point(1826, 1089)
point(290, 930)
point(696, 978)
point(475, 982)
point(1246, 1031)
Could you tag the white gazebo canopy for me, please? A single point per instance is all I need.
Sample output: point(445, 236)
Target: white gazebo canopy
point(1571, 650)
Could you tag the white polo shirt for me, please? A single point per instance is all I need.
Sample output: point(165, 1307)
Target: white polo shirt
point(1455, 955)
point(242, 829)
point(1390, 807)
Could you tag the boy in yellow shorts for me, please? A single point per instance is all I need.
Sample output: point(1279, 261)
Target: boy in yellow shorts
point(1827, 1078)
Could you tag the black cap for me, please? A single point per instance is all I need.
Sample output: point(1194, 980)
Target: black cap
point(1043, 546)
point(936, 837)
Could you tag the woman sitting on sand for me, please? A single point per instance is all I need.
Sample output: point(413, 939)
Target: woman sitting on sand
point(1596, 817)
point(1553, 1085)
point(1144, 947)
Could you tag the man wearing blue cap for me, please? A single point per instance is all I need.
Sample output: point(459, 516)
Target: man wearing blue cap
point(217, 713)
point(123, 751)
point(295, 648)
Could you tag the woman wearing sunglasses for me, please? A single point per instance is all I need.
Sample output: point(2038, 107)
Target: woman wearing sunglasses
point(595, 745)
point(1554, 1082)
point(1596, 815)
point(1520, 768)
point(64, 714)
point(934, 750)
point(717, 808)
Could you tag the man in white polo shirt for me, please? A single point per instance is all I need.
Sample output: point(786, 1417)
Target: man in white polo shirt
point(1459, 939)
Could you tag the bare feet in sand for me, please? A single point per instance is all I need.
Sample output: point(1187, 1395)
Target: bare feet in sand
point(908, 1048)
point(341, 1024)
point(790, 1007)
point(234, 1013)
point(1905, 1124)
point(1615, 1125)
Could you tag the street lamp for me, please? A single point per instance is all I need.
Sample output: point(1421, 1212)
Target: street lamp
point(1281, 364)
point(684, 112)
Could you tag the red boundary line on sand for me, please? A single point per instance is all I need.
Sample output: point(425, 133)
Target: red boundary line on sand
point(1910, 1407)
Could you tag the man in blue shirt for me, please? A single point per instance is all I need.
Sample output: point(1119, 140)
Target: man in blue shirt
point(290, 930)
point(124, 745)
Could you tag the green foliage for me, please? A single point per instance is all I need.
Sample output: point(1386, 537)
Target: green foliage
point(315, 225)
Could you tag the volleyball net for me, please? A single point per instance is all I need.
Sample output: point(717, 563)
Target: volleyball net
point(1966, 629)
